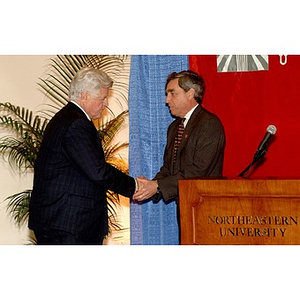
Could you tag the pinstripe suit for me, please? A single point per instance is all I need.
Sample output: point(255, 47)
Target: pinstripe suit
point(71, 178)
point(200, 153)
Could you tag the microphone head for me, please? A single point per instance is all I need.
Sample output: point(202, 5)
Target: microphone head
point(271, 129)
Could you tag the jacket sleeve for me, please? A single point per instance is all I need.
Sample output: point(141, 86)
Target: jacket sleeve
point(82, 146)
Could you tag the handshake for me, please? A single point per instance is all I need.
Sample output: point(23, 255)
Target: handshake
point(145, 188)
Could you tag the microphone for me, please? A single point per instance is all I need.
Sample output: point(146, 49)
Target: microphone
point(261, 150)
point(271, 130)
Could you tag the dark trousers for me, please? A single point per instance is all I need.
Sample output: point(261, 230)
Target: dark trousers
point(59, 237)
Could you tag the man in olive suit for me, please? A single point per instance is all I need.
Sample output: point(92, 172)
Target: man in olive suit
point(71, 177)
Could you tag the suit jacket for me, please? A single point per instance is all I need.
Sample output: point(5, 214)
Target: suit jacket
point(71, 177)
point(200, 154)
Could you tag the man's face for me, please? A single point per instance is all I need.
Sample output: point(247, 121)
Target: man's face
point(94, 104)
point(177, 99)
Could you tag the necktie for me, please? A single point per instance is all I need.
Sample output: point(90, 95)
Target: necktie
point(178, 139)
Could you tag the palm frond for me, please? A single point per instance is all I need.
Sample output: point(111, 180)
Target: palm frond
point(21, 150)
point(108, 129)
point(113, 150)
point(119, 163)
point(18, 206)
point(112, 205)
point(55, 91)
point(21, 119)
point(19, 153)
point(111, 64)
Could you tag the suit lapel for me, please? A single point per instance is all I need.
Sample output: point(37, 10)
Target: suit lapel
point(190, 127)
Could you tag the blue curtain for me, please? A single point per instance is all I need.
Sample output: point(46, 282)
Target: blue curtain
point(149, 118)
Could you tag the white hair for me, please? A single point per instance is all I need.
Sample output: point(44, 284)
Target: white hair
point(88, 80)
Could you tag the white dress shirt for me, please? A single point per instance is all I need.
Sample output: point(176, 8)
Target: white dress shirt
point(188, 115)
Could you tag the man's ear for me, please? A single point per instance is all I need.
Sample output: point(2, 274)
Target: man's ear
point(191, 93)
point(84, 96)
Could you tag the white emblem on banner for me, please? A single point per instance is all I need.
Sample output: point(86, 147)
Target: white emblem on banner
point(242, 63)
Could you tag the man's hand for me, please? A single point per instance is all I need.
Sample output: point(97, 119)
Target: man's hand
point(147, 188)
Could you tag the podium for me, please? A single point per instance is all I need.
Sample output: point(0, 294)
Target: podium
point(239, 211)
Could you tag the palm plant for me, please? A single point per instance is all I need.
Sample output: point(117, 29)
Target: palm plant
point(21, 147)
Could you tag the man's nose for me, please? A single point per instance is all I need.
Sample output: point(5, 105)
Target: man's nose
point(167, 99)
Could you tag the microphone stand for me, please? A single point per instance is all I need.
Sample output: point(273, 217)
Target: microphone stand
point(258, 155)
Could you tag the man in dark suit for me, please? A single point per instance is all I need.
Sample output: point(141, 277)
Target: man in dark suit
point(200, 152)
point(68, 203)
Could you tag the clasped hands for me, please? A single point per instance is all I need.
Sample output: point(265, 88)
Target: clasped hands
point(146, 189)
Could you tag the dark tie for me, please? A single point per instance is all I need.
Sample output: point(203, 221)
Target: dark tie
point(178, 139)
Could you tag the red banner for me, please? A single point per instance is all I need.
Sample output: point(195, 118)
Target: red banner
point(247, 103)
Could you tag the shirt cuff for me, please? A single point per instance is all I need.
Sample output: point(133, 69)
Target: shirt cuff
point(136, 185)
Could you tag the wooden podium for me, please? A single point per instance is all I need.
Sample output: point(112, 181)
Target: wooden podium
point(239, 212)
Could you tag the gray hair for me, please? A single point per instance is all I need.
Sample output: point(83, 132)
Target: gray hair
point(88, 80)
point(187, 80)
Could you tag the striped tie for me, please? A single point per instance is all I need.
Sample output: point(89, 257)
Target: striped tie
point(178, 138)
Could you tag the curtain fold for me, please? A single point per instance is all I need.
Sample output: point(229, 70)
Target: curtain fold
point(149, 118)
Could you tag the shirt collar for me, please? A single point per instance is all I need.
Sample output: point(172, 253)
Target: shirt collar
point(81, 109)
point(188, 115)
